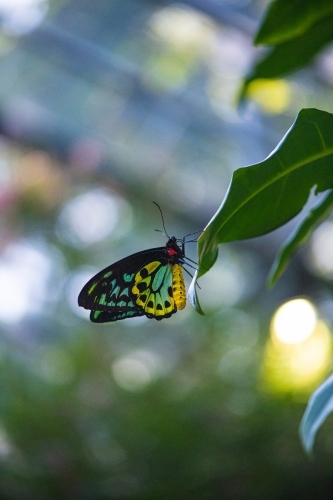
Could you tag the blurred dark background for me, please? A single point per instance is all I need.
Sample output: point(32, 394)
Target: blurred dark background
point(106, 106)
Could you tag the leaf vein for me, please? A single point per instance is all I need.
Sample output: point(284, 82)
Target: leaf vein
point(319, 134)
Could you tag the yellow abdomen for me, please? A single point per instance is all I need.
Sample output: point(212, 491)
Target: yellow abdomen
point(178, 286)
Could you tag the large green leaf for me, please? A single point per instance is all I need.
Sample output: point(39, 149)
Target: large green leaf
point(300, 236)
point(266, 195)
point(286, 19)
point(293, 54)
point(320, 405)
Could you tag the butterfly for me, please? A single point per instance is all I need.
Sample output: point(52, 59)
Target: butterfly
point(148, 283)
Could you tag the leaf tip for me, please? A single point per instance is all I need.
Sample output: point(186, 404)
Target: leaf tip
point(320, 405)
point(273, 276)
point(193, 297)
point(307, 440)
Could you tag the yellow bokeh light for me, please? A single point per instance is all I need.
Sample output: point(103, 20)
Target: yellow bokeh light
point(297, 368)
point(294, 321)
point(298, 354)
point(272, 95)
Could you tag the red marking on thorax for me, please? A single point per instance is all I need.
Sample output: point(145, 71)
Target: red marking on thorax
point(171, 252)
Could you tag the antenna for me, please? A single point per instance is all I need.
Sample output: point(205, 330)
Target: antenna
point(195, 239)
point(162, 219)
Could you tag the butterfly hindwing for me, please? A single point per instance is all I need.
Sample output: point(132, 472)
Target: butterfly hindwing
point(141, 284)
point(153, 290)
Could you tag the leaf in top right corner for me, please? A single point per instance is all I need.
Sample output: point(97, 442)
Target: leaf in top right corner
point(287, 19)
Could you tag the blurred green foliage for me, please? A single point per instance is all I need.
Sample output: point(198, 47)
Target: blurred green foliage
point(296, 32)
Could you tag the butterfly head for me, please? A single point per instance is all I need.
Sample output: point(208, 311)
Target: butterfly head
point(173, 248)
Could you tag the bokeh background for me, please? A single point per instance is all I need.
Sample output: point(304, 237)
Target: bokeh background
point(106, 106)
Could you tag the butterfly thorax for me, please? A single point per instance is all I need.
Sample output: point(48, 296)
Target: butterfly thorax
point(174, 251)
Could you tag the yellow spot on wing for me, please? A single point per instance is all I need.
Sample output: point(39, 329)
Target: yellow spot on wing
point(152, 266)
